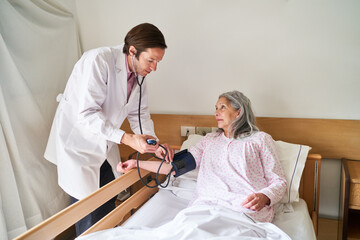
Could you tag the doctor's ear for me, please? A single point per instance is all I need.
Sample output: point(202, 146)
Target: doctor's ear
point(132, 51)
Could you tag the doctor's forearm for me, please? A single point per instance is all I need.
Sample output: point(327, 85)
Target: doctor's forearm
point(126, 139)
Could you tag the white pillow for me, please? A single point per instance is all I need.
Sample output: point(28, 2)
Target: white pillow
point(292, 159)
point(191, 141)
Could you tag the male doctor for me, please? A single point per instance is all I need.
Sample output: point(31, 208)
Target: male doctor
point(101, 92)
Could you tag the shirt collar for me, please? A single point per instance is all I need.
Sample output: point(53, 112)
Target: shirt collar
point(127, 68)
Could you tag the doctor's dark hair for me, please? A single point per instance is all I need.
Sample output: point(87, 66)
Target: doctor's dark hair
point(244, 125)
point(143, 36)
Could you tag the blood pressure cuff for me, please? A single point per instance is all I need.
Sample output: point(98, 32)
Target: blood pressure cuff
point(183, 162)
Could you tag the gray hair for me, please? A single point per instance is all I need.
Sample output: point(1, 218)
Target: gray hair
point(244, 125)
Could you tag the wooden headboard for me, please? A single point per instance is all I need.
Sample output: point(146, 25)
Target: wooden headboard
point(332, 138)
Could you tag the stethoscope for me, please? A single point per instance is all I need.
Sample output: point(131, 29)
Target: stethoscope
point(149, 141)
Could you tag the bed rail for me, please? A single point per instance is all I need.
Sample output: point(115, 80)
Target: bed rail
point(117, 215)
point(310, 186)
point(61, 221)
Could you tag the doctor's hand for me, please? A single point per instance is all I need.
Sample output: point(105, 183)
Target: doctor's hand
point(126, 166)
point(138, 143)
point(160, 152)
point(256, 201)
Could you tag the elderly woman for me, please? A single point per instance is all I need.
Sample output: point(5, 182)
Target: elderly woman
point(238, 165)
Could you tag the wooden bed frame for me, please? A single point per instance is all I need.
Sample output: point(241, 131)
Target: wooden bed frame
point(328, 138)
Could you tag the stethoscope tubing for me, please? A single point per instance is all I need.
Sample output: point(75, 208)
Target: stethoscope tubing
point(158, 183)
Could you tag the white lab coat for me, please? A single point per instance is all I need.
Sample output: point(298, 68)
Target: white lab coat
point(86, 127)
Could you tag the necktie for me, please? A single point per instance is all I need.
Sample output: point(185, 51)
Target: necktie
point(130, 84)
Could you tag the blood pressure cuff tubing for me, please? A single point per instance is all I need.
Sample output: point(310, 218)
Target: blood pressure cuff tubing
point(183, 162)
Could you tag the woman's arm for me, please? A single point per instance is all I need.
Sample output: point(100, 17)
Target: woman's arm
point(274, 176)
point(273, 171)
point(151, 166)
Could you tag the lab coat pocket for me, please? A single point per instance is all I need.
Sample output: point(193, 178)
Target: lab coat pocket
point(83, 143)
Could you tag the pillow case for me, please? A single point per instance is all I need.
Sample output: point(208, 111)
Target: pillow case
point(292, 159)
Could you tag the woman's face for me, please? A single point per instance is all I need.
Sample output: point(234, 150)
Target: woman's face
point(225, 114)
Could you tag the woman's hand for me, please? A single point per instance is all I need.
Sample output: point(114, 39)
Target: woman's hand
point(256, 201)
point(160, 152)
point(126, 166)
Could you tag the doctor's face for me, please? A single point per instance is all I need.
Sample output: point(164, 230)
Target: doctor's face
point(147, 61)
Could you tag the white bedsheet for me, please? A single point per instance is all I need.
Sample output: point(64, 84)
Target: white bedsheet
point(199, 222)
point(164, 207)
point(296, 224)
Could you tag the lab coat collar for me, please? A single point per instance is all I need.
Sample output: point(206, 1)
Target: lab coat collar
point(121, 74)
point(120, 62)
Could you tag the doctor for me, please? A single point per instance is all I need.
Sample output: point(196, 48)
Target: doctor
point(101, 92)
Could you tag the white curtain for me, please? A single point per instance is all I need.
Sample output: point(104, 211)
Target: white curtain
point(38, 49)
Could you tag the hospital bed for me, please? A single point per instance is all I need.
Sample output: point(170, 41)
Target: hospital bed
point(299, 224)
